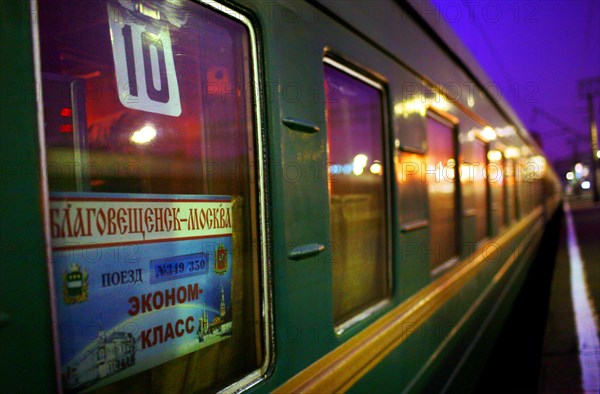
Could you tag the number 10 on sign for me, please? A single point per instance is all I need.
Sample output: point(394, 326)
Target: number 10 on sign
point(144, 66)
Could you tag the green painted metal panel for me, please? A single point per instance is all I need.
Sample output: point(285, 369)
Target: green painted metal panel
point(26, 350)
point(292, 39)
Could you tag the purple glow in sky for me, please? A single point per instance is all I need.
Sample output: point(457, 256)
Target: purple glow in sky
point(536, 52)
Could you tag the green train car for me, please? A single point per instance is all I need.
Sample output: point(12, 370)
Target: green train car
point(282, 196)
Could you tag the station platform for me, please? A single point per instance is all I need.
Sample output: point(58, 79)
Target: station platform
point(569, 362)
point(549, 343)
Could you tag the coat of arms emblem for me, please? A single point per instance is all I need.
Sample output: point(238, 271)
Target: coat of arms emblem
point(75, 285)
point(221, 265)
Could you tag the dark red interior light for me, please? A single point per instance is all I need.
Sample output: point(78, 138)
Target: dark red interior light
point(66, 128)
point(96, 182)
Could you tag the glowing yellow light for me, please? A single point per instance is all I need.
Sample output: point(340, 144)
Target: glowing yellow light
point(570, 176)
point(361, 160)
point(494, 155)
point(598, 154)
point(540, 160)
point(439, 103)
point(539, 166)
point(143, 135)
point(451, 174)
point(466, 172)
point(471, 102)
point(488, 134)
point(359, 163)
point(512, 152)
point(417, 105)
point(376, 168)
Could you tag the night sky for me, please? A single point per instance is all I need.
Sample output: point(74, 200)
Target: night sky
point(536, 52)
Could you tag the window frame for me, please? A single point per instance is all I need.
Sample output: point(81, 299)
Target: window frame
point(505, 221)
point(453, 123)
point(517, 193)
point(488, 195)
point(378, 82)
point(263, 287)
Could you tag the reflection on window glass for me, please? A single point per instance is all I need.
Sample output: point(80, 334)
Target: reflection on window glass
point(412, 201)
point(496, 181)
point(480, 190)
point(441, 186)
point(135, 143)
point(356, 193)
point(511, 190)
point(531, 185)
point(153, 100)
point(523, 187)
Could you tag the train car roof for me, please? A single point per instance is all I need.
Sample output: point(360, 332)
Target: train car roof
point(445, 36)
point(423, 16)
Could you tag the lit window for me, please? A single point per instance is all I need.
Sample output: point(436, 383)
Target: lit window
point(441, 180)
point(496, 181)
point(511, 189)
point(358, 196)
point(480, 190)
point(151, 138)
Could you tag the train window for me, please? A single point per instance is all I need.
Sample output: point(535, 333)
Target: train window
point(495, 171)
point(152, 137)
point(511, 190)
point(357, 193)
point(412, 204)
point(440, 175)
point(531, 172)
point(525, 186)
point(480, 190)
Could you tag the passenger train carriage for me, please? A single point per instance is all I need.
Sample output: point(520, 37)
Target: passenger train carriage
point(285, 196)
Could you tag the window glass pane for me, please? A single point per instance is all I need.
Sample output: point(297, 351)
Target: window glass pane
point(356, 193)
point(496, 180)
point(441, 187)
point(511, 190)
point(524, 177)
point(412, 202)
point(480, 190)
point(149, 130)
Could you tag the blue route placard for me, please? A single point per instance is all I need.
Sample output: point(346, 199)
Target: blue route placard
point(139, 280)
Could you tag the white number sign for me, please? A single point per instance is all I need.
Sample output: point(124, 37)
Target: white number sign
point(144, 66)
